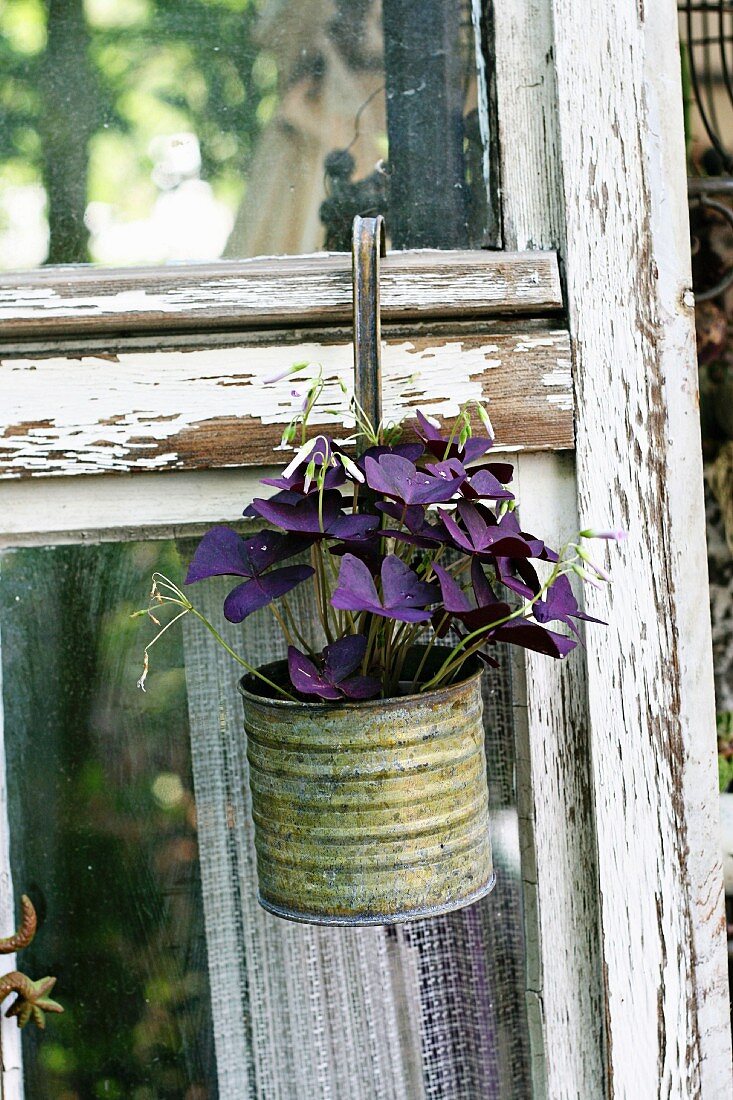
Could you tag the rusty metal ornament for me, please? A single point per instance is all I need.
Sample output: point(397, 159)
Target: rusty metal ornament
point(700, 192)
point(26, 931)
point(32, 1001)
point(373, 812)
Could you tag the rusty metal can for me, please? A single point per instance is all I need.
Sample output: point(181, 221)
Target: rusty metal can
point(372, 812)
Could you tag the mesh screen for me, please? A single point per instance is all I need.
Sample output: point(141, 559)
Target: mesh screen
point(432, 1010)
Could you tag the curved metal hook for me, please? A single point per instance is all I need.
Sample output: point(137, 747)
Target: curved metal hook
point(368, 245)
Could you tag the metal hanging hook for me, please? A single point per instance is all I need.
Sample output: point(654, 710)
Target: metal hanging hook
point(368, 245)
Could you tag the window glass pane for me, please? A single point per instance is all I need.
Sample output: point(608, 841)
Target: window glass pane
point(120, 861)
point(147, 131)
point(429, 1010)
point(103, 829)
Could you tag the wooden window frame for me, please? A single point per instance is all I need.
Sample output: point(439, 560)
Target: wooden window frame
point(626, 966)
point(74, 468)
point(176, 397)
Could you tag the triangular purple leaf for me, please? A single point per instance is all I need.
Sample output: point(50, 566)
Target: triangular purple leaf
point(221, 552)
point(403, 593)
point(535, 637)
point(356, 590)
point(343, 656)
point(260, 591)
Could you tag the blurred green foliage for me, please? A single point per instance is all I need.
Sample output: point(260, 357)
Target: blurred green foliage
point(103, 824)
point(87, 85)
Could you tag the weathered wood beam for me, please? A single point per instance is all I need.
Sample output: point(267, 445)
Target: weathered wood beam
point(564, 979)
point(651, 934)
point(181, 408)
point(301, 290)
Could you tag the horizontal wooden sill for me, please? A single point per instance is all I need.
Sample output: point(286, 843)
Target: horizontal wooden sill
point(184, 408)
point(303, 290)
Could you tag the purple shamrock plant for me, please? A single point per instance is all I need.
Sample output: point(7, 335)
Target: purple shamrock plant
point(333, 675)
point(414, 554)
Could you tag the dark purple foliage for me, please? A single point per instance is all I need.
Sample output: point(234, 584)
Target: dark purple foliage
point(367, 550)
point(322, 453)
point(489, 613)
point(440, 446)
point(333, 478)
point(487, 609)
point(404, 596)
point(399, 479)
point(284, 496)
point(477, 536)
point(222, 552)
point(314, 517)
point(412, 517)
point(518, 575)
point(483, 484)
point(411, 451)
point(332, 676)
point(323, 506)
point(560, 605)
point(262, 590)
point(531, 635)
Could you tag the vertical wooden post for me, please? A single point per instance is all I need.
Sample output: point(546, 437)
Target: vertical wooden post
point(564, 965)
point(594, 117)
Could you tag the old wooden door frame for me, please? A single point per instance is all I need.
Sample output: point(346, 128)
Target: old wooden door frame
point(624, 798)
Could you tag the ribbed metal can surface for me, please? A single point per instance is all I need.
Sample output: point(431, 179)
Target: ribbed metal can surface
point(371, 812)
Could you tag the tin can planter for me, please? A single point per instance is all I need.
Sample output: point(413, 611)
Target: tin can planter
point(373, 812)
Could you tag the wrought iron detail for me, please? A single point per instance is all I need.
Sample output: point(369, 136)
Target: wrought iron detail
point(707, 30)
point(700, 192)
point(32, 1001)
point(707, 65)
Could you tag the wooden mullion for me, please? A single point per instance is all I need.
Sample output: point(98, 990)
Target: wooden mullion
point(564, 967)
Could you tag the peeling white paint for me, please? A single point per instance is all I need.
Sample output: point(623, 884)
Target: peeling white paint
point(626, 948)
point(291, 288)
point(94, 414)
point(559, 377)
point(561, 401)
point(529, 344)
point(11, 1070)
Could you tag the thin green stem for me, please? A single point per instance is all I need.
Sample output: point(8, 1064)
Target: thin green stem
point(451, 437)
point(423, 659)
point(457, 656)
point(291, 620)
point(321, 592)
point(371, 640)
point(282, 624)
point(387, 679)
point(240, 660)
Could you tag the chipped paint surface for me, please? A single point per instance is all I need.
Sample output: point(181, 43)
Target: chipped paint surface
point(560, 381)
point(178, 409)
point(294, 290)
point(35, 302)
